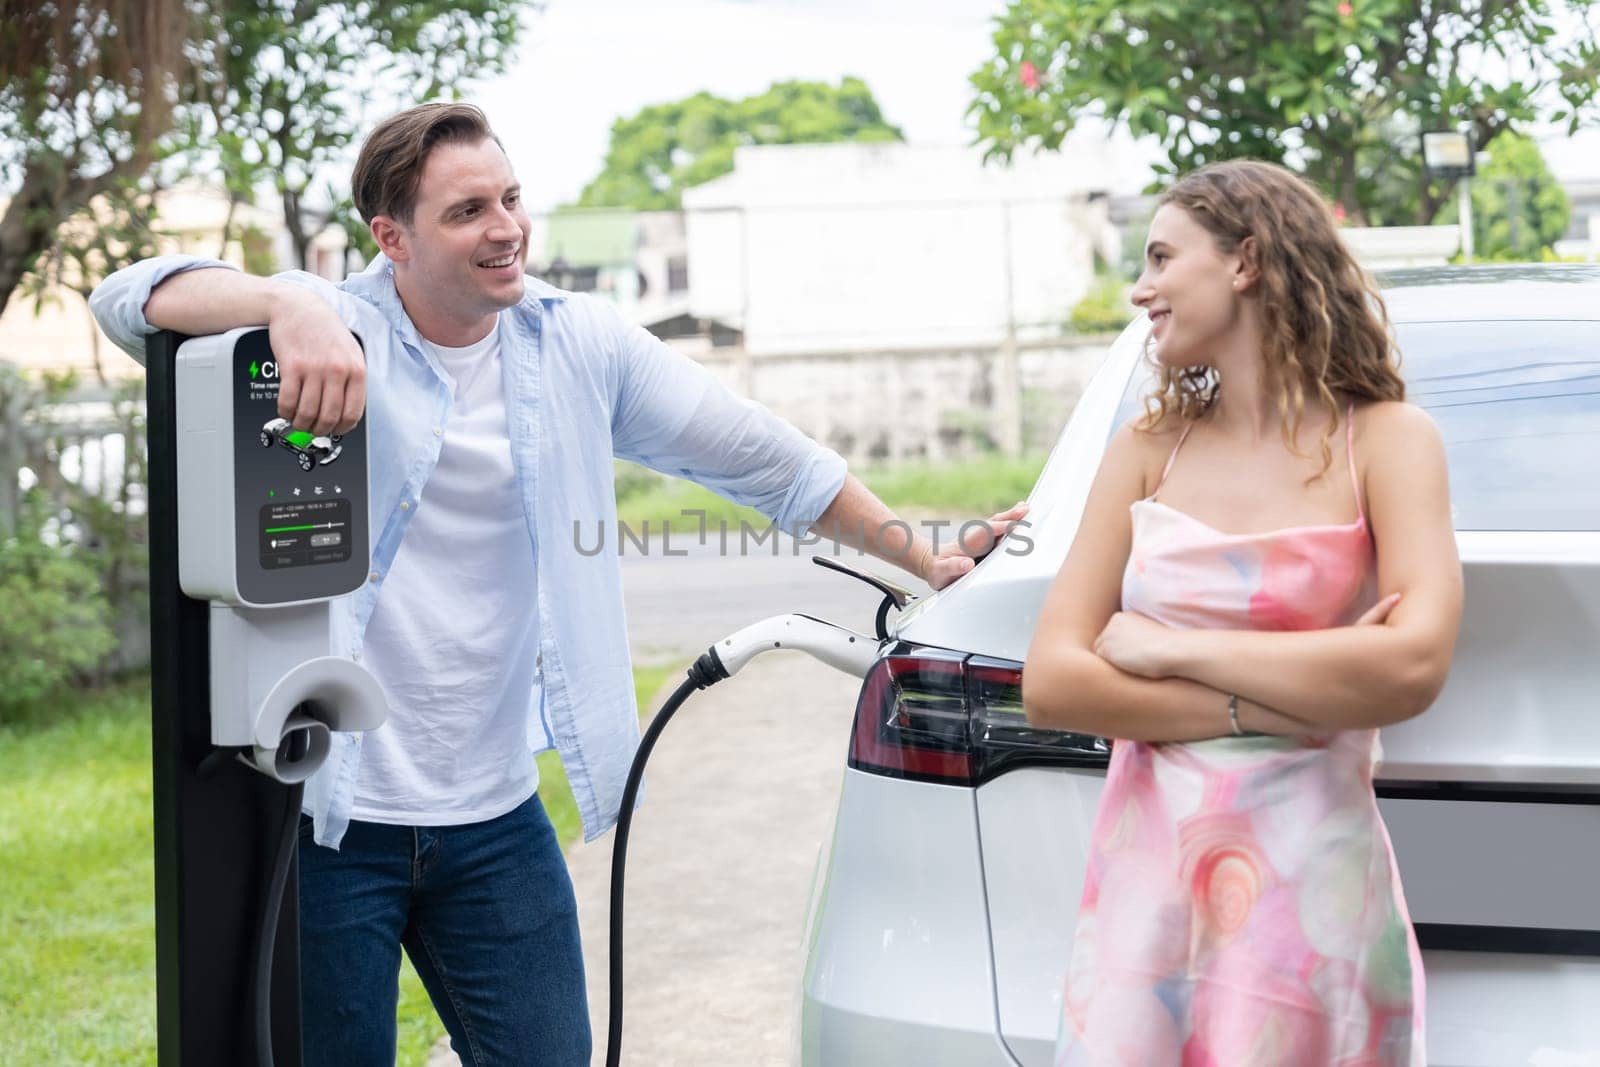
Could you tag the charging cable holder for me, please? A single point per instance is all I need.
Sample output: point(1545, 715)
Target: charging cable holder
point(272, 678)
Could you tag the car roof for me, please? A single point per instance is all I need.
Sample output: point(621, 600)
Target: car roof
point(1492, 292)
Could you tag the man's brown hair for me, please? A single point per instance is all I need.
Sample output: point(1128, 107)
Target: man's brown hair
point(389, 168)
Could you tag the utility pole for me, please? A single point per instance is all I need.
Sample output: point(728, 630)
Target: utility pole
point(1514, 212)
point(13, 409)
point(1008, 371)
point(1448, 154)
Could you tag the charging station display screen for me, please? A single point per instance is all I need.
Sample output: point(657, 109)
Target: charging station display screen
point(300, 499)
point(294, 535)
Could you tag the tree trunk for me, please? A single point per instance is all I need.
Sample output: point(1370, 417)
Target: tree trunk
point(94, 340)
point(1355, 212)
point(227, 225)
point(41, 205)
point(27, 228)
point(293, 222)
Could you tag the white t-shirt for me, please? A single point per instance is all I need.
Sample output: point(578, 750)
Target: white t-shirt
point(454, 636)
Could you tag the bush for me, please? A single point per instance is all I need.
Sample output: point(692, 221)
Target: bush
point(1104, 309)
point(1519, 209)
point(55, 626)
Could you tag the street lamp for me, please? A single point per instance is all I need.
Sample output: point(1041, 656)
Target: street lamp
point(1446, 155)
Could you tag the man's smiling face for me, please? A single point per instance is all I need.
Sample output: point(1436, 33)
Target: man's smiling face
point(467, 243)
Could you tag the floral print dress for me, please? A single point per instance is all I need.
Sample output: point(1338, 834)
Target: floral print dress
point(1242, 905)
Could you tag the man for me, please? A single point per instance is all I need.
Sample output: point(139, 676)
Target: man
point(497, 405)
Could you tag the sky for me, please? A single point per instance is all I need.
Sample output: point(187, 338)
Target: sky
point(584, 63)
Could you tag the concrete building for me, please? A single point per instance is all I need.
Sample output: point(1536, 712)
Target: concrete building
point(637, 259)
point(834, 247)
point(1582, 238)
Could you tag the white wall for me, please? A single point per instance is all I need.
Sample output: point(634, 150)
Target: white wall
point(823, 247)
point(1387, 247)
point(715, 238)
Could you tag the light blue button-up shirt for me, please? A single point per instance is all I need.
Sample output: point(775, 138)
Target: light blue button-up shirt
point(582, 386)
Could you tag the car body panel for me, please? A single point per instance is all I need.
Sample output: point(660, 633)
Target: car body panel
point(1543, 870)
point(908, 851)
point(1494, 1009)
point(1033, 871)
point(1492, 721)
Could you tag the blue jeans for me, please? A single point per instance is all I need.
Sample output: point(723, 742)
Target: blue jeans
point(487, 915)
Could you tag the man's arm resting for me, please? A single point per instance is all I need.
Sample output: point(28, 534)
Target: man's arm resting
point(213, 300)
point(860, 520)
point(322, 372)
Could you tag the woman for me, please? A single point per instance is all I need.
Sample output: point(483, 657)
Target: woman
point(1265, 573)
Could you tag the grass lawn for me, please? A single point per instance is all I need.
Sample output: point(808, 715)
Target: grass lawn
point(977, 487)
point(77, 948)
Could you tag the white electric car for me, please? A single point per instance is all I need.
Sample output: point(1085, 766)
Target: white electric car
point(941, 919)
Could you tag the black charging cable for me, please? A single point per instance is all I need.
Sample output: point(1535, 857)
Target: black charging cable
point(267, 930)
point(707, 671)
point(277, 883)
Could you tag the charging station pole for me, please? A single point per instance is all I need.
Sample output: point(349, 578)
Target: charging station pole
point(214, 835)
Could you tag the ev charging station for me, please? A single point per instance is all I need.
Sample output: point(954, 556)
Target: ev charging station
point(254, 528)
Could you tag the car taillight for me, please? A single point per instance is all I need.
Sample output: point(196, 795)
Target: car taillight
point(939, 716)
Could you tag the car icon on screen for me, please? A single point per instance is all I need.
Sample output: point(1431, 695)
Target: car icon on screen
point(309, 450)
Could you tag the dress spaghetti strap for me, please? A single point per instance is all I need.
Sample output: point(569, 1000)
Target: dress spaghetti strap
point(1350, 454)
point(1182, 437)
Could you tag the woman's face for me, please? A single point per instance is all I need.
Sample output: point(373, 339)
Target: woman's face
point(1190, 289)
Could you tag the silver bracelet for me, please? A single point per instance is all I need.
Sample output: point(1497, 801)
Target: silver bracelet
point(1233, 714)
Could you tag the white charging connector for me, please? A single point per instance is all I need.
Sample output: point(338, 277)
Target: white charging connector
point(838, 647)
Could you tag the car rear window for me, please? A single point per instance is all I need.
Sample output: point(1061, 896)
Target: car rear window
point(1518, 405)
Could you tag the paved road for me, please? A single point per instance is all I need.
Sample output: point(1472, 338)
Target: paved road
point(741, 792)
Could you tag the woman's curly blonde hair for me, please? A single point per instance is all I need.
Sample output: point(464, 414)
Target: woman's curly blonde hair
point(1324, 327)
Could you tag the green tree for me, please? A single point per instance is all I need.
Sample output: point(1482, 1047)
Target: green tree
point(87, 90)
point(296, 82)
point(667, 148)
point(116, 229)
point(1339, 89)
point(108, 99)
point(1518, 208)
